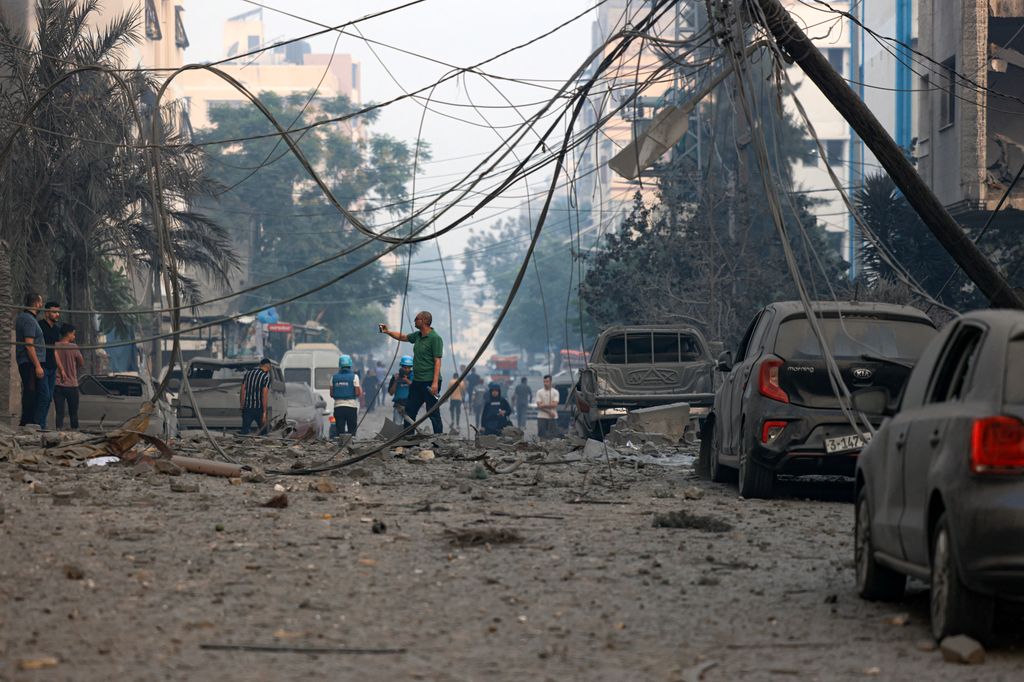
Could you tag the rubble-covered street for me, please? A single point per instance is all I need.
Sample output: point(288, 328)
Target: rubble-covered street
point(407, 567)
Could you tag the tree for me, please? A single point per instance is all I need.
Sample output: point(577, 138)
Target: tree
point(707, 252)
point(282, 220)
point(545, 314)
point(75, 192)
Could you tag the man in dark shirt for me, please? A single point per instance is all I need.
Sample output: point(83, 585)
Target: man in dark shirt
point(50, 325)
point(30, 354)
point(523, 395)
point(254, 397)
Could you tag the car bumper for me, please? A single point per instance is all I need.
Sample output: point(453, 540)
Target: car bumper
point(988, 524)
point(613, 407)
point(800, 448)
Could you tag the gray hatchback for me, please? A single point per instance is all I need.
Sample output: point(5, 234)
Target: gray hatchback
point(940, 487)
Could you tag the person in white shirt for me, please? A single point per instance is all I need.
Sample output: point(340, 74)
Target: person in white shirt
point(547, 410)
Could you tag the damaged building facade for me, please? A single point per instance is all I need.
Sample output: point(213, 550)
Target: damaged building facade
point(971, 105)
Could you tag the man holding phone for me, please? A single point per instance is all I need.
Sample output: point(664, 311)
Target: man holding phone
point(427, 348)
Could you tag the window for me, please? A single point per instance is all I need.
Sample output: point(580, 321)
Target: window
point(297, 375)
point(652, 347)
point(834, 151)
point(355, 76)
point(810, 160)
point(153, 31)
point(947, 93)
point(253, 43)
point(835, 56)
point(855, 336)
point(180, 37)
point(953, 376)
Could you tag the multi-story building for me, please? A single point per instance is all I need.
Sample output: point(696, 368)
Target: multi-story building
point(971, 116)
point(284, 70)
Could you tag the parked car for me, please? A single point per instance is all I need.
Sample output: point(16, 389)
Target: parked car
point(940, 487)
point(642, 366)
point(776, 410)
point(313, 364)
point(105, 401)
point(216, 384)
point(306, 411)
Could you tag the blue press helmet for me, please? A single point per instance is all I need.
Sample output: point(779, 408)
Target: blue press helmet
point(406, 361)
point(344, 361)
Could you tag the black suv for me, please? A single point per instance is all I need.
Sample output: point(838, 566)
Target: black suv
point(776, 410)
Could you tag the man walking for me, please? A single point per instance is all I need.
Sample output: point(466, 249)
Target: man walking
point(547, 410)
point(522, 396)
point(51, 335)
point(30, 354)
point(427, 348)
point(69, 360)
point(371, 389)
point(345, 390)
point(254, 397)
point(455, 401)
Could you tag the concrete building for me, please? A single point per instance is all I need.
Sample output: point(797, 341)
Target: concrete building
point(283, 70)
point(971, 112)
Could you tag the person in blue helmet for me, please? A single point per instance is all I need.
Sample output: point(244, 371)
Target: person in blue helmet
point(398, 388)
point(494, 416)
point(345, 390)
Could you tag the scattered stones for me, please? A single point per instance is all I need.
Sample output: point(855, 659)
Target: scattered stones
point(898, 619)
point(477, 537)
point(512, 433)
point(322, 485)
point(49, 439)
point(183, 486)
point(693, 493)
point(595, 449)
point(38, 663)
point(425, 455)
point(167, 467)
point(479, 472)
point(684, 519)
point(962, 649)
point(73, 572)
point(379, 527)
point(277, 501)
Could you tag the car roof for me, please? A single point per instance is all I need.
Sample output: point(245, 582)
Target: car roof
point(792, 308)
point(651, 328)
point(228, 362)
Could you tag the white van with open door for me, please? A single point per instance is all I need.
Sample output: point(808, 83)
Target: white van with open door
point(313, 364)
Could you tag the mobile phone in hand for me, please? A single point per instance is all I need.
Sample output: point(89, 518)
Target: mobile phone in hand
point(381, 328)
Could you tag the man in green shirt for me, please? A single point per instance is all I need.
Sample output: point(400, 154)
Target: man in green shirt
point(427, 348)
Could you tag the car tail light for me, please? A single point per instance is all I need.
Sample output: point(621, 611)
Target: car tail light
point(770, 430)
point(768, 380)
point(997, 446)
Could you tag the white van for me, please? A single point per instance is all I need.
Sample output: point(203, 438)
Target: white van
point(313, 364)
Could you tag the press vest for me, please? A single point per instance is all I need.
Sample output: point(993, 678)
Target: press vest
point(401, 390)
point(343, 385)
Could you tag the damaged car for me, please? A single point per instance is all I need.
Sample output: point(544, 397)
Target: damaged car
point(106, 401)
point(642, 366)
point(216, 384)
point(777, 410)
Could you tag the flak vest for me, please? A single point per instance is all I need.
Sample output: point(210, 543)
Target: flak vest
point(343, 386)
point(402, 390)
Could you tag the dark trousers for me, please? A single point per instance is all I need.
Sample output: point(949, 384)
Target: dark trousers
point(44, 394)
point(29, 396)
point(521, 415)
point(547, 428)
point(346, 420)
point(250, 415)
point(420, 395)
point(455, 411)
point(66, 396)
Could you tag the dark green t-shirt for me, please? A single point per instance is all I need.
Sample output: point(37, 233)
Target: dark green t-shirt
point(424, 350)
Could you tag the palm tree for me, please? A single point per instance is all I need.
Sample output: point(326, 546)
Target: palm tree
point(75, 197)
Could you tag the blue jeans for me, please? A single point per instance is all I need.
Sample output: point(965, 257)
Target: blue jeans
point(420, 395)
point(44, 394)
point(250, 415)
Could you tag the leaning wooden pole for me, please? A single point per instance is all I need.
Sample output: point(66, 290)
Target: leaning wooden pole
point(791, 38)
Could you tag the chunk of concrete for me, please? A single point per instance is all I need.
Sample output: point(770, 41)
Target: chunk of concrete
point(595, 449)
point(667, 420)
point(962, 649)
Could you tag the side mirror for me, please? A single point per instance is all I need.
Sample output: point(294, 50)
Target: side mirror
point(724, 363)
point(873, 401)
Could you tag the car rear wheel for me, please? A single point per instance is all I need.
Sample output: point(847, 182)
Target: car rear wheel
point(955, 610)
point(874, 581)
point(755, 480)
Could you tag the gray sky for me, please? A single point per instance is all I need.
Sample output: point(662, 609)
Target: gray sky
point(459, 32)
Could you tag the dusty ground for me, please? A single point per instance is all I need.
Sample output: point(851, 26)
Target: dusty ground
point(117, 577)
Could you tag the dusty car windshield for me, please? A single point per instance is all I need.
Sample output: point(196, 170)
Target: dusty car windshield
point(852, 337)
point(298, 395)
point(296, 375)
point(650, 347)
point(1015, 372)
point(219, 372)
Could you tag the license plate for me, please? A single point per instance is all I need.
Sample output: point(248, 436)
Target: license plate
point(846, 443)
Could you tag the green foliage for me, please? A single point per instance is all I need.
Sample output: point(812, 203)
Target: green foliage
point(280, 217)
point(546, 313)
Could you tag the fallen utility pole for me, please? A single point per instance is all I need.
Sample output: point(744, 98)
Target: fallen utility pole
point(946, 229)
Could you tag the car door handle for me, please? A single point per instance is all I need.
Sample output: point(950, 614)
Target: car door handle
point(901, 441)
point(935, 439)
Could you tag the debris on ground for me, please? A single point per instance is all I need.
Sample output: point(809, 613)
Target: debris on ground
point(277, 502)
point(962, 649)
point(685, 519)
point(478, 537)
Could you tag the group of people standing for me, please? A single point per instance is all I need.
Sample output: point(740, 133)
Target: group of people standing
point(48, 364)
